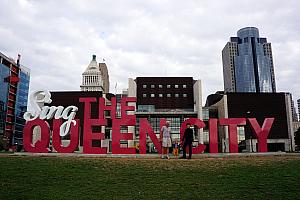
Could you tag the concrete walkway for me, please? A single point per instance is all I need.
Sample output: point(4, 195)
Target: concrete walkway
point(198, 156)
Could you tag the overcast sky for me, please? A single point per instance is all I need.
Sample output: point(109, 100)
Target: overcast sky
point(144, 38)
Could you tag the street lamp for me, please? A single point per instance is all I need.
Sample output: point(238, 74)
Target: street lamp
point(251, 142)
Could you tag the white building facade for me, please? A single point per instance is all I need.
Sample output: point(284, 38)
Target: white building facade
point(92, 77)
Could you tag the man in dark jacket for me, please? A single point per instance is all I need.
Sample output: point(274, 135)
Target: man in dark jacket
point(187, 140)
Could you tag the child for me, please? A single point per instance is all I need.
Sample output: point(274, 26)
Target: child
point(175, 148)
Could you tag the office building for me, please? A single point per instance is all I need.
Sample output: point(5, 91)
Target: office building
point(105, 77)
point(172, 98)
point(259, 106)
point(248, 63)
point(294, 112)
point(14, 88)
point(21, 104)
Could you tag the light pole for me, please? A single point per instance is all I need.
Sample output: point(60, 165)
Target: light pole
point(251, 142)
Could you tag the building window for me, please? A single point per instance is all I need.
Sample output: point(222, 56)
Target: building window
point(176, 86)
point(144, 95)
point(205, 113)
point(152, 86)
point(144, 86)
point(168, 95)
point(184, 95)
point(160, 95)
point(241, 134)
point(145, 108)
point(160, 86)
point(168, 86)
point(183, 86)
point(176, 95)
point(152, 95)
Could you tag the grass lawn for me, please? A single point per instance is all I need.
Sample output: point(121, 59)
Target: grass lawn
point(274, 177)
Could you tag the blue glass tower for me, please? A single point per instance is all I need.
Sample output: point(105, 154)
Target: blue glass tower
point(14, 86)
point(248, 63)
point(21, 104)
point(4, 87)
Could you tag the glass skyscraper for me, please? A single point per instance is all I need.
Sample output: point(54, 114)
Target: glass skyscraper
point(21, 104)
point(4, 86)
point(14, 86)
point(248, 63)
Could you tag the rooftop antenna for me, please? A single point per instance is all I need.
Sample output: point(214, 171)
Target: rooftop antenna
point(18, 60)
point(116, 88)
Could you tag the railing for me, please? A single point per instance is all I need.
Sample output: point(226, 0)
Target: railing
point(165, 110)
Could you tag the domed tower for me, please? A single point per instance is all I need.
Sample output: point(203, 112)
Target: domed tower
point(91, 77)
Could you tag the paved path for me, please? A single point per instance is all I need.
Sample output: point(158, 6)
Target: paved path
point(198, 156)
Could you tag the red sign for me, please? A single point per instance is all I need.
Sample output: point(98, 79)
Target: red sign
point(42, 145)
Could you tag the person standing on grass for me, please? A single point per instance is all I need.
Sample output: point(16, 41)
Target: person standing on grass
point(187, 141)
point(165, 138)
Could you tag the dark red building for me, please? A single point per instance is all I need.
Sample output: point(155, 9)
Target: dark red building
point(165, 92)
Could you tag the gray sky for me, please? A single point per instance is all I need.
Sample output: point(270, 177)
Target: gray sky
point(144, 38)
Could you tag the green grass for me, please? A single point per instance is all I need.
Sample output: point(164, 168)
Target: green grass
point(5, 152)
point(118, 178)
